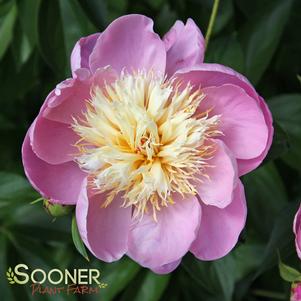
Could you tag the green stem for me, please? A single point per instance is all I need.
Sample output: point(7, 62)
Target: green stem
point(36, 201)
point(269, 294)
point(211, 21)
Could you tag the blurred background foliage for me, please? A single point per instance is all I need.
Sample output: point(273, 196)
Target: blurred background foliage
point(259, 38)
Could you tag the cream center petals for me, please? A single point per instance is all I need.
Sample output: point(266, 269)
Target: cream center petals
point(142, 137)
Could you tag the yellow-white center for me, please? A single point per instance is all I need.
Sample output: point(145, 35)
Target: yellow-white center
point(142, 137)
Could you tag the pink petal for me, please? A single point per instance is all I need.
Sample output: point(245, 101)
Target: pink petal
point(206, 75)
point(81, 52)
point(53, 141)
point(297, 231)
point(222, 172)
point(167, 268)
point(245, 166)
point(129, 42)
point(104, 230)
point(69, 98)
point(185, 46)
point(242, 121)
point(220, 228)
point(60, 183)
point(155, 244)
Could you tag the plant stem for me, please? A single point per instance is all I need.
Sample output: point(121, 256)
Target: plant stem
point(269, 294)
point(211, 21)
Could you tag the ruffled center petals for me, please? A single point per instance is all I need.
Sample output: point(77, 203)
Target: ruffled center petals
point(144, 127)
point(129, 43)
point(155, 244)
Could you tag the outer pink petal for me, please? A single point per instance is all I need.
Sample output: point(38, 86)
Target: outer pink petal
point(59, 183)
point(104, 230)
point(81, 52)
point(242, 121)
point(129, 42)
point(246, 165)
point(222, 172)
point(167, 268)
point(185, 46)
point(53, 141)
point(155, 244)
point(53, 137)
point(206, 75)
point(69, 98)
point(220, 228)
point(297, 231)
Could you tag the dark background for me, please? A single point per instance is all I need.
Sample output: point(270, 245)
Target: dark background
point(260, 39)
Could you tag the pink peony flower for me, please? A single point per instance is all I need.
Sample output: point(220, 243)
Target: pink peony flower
point(149, 142)
point(297, 231)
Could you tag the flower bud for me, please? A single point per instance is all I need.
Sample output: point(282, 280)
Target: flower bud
point(57, 210)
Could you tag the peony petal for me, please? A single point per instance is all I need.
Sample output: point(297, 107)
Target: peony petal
point(242, 121)
point(53, 141)
point(68, 100)
point(104, 230)
point(222, 172)
point(297, 231)
point(129, 42)
point(155, 244)
point(185, 46)
point(206, 75)
point(220, 228)
point(81, 52)
point(244, 166)
point(59, 183)
point(167, 268)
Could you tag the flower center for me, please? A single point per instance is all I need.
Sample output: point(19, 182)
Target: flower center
point(142, 137)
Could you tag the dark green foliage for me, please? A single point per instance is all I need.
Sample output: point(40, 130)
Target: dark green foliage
point(260, 39)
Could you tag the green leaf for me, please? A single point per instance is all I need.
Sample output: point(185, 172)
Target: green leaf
point(75, 24)
point(266, 194)
point(21, 47)
point(6, 29)
point(280, 144)
point(96, 10)
point(217, 277)
point(288, 273)
point(51, 37)
point(14, 187)
point(226, 50)
point(29, 13)
point(148, 287)
point(286, 110)
point(118, 275)
point(251, 251)
point(260, 36)
point(77, 239)
point(281, 238)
